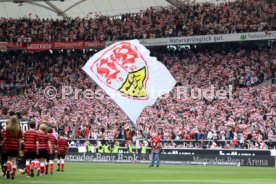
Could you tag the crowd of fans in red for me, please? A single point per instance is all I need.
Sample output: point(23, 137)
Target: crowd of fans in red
point(193, 19)
point(249, 114)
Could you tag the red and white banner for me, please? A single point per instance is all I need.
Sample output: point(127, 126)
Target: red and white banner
point(78, 45)
point(89, 44)
point(3, 45)
point(16, 45)
point(68, 45)
point(40, 46)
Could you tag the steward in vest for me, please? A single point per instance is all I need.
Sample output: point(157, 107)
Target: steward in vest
point(100, 149)
point(143, 151)
point(130, 148)
point(89, 148)
point(116, 147)
point(106, 148)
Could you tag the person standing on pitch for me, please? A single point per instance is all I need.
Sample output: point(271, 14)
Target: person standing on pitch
point(51, 153)
point(155, 149)
point(143, 150)
point(30, 138)
point(12, 139)
point(62, 145)
point(42, 144)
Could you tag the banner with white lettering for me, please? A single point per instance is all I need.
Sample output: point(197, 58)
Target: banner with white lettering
point(261, 161)
point(218, 38)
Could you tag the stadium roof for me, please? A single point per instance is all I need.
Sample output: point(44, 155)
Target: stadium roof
point(79, 8)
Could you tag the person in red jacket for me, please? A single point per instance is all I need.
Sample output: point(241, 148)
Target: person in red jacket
point(62, 144)
point(155, 149)
point(77, 133)
point(87, 133)
point(12, 140)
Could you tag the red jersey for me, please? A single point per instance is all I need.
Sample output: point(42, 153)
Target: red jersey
point(77, 132)
point(30, 138)
point(42, 139)
point(62, 146)
point(155, 143)
point(53, 141)
point(12, 141)
point(87, 132)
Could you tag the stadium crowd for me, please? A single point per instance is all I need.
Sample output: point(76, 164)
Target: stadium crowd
point(192, 19)
point(249, 112)
point(46, 89)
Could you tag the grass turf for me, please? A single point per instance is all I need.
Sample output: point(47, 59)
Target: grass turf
point(78, 173)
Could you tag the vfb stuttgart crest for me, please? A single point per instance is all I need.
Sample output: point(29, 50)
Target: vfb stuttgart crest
point(123, 69)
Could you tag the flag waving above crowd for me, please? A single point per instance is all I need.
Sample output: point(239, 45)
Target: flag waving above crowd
point(130, 76)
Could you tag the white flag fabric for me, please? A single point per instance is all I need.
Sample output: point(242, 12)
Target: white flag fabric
point(130, 76)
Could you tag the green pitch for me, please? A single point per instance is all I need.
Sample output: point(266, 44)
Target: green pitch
point(86, 173)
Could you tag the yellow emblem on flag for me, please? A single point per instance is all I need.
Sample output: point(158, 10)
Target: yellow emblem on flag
point(134, 84)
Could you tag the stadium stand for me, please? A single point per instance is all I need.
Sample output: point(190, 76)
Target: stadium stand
point(250, 72)
point(192, 19)
point(214, 61)
point(250, 114)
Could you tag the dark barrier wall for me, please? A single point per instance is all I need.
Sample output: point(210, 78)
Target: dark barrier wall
point(213, 159)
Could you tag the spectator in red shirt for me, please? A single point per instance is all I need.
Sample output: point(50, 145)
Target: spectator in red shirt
point(87, 133)
point(187, 136)
point(77, 133)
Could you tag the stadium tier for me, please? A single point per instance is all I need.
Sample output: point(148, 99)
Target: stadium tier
point(189, 20)
point(189, 83)
point(246, 72)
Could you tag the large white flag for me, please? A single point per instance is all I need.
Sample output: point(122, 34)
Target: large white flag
point(130, 76)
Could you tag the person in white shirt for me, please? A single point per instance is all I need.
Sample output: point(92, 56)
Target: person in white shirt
point(210, 135)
